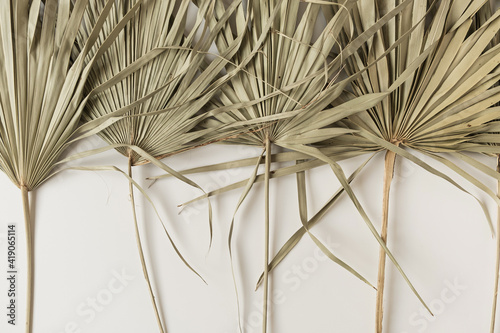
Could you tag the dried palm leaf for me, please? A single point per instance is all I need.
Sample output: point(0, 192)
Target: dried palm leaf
point(161, 100)
point(42, 93)
point(442, 107)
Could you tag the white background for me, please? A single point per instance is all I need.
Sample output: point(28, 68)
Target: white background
point(85, 238)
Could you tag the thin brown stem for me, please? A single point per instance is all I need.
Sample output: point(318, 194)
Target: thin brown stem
point(29, 259)
point(139, 247)
point(266, 234)
point(390, 159)
point(497, 268)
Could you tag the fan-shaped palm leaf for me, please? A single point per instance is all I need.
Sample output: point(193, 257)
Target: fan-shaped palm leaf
point(443, 107)
point(41, 92)
point(162, 98)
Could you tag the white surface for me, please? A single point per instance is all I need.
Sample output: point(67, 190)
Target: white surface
point(84, 237)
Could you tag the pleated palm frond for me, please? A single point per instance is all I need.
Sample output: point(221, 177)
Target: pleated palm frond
point(444, 106)
point(172, 82)
point(42, 92)
point(168, 80)
point(281, 94)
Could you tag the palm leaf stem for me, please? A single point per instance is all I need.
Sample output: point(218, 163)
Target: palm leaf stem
point(140, 248)
point(29, 259)
point(390, 159)
point(267, 174)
